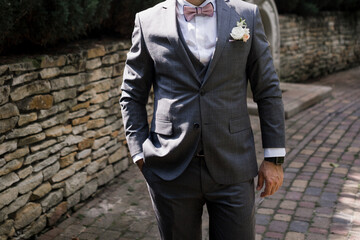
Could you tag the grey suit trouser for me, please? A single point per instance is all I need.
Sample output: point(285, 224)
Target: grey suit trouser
point(178, 205)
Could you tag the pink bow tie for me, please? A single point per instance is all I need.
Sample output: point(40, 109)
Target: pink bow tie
point(191, 12)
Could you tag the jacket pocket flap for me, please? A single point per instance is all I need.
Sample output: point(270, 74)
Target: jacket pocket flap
point(238, 125)
point(164, 128)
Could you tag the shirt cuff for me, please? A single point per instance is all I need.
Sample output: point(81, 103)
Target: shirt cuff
point(138, 156)
point(274, 152)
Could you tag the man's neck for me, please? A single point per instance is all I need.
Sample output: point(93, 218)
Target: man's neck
point(196, 2)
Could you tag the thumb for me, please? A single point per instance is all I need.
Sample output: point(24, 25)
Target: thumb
point(260, 181)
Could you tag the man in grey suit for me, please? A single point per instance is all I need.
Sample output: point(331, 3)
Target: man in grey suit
point(199, 148)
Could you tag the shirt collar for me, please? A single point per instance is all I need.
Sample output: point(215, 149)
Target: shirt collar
point(181, 3)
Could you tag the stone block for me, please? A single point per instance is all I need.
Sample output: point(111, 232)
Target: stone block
point(100, 98)
point(72, 140)
point(93, 63)
point(4, 94)
point(101, 113)
point(49, 73)
point(53, 61)
point(25, 66)
point(110, 59)
point(121, 166)
point(98, 74)
point(41, 191)
point(27, 214)
point(100, 86)
point(81, 120)
point(3, 69)
point(38, 102)
point(79, 129)
point(74, 183)
point(73, 199)
point(51, 171)
point(2, 162)
point(56, 120)
point(33, 88)
point(109, 120)
point(54, 131)
point(11, 166)
point(30, 183)
point(27, 118)
point(99, 153)
point(22, 132)
point(110, 144)
point(67, 82)
point(100, 142)
point(77, 114)
point(32, 139)
point(89, 134)
point(93, 108)
point(67, 160)
point(118, 69)
point(86, 143)
point(103, 131)
point(8, 180)
point(98, 51)
point(43, 145)
point(49, 112)
point(63, 174)
point(83, 154)
point(8, 124)
point(34, 228)
point(97, 123)
point(55, 214)
point(6, 227)
point(27, 77)
point(8, 110)
point(118, 155)
point(17, 204)
point(68, 150)
point(24, 172)
point(37, 156)
point(5, 78)
point(86, 95)
point(64, 94)
point(66, 105)
point(81, 164)
point(89, 189)
point(105, 175)
point(52, 199)
point(19, 153)
point(81, 106)
point(8, 146)
point(47, 162)
point(8, 196)
point(96, 165)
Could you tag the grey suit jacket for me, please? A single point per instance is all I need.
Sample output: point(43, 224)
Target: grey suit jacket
point(187, 109)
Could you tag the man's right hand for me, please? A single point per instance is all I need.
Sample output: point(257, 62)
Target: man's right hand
point(140, 164)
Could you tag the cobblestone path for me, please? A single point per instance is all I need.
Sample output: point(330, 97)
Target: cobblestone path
point(320, 197)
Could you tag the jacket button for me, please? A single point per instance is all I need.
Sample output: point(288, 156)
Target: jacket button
point(196, 125)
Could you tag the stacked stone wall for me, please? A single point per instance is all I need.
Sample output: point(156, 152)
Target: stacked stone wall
point(316, 46)
point(61, 134)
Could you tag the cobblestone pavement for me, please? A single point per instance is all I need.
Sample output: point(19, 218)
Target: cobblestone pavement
point(320, 197)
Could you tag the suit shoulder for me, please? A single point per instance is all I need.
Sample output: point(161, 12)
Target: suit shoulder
point(242, 6)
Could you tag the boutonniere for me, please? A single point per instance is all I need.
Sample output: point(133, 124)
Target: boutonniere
point(240, 32)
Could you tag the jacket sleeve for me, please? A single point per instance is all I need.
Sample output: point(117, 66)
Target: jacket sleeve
point(265, 87)
point(137, 82)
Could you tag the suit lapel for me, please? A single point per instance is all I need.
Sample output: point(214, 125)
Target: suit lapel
point(223, 33)
point(173, 35)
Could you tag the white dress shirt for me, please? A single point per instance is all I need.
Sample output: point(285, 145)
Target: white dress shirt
point(200, 35)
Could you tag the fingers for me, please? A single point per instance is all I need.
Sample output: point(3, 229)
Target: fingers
point(260, 181)
point(271, 186)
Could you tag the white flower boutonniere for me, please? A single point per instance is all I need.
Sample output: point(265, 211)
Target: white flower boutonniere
point(240, 32)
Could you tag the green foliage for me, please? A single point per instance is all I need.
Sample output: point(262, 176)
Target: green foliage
point(122, 15)
point(312, 7)
point(44, 22)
